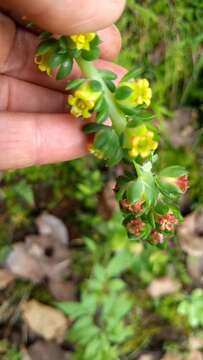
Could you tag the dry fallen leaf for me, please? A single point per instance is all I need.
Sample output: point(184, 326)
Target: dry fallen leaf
point(195, 355)
point(6, 279)
point(63, 291)
point(163, 286)
point(42, 256)
point(195, 343)
point(149, 356)
point(45, 321)
point(52, 226)
point(22, 264)
point(25, 355)
point(107, 201)
point(46, 247)
point(42, 350)
point(180, 130)
point(190, 234)
point(172, 356)
point(195, 268)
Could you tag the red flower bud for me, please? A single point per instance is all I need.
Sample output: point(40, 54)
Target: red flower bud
point(182, 183)
point(135, 226)
point(156, 237)
point(168, 222)
point(136, 207)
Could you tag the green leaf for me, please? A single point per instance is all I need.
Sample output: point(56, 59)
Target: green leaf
point(101, 105)
point(55, 60)
point(95, 85)
point(143, 116)
point(92, 348)
point(173, 171)
point(45, 35)
point(107, 74)
point(134, 190)
point(150, 191)
point(134, 73)
point(117, 285)
point(121, 262)
point(95, 42)
point(25, 191)
point(92, 127)
point(102, 115)
point(46, 46)
point(107, 141)
point(130, 111)
point(161, 208)
point(123, 92)
point(63, 42)
point(73, 309)
point(72, 84)
point(90, 55)
point(120, 192)
point(111, 86)
point(65, 69)
point(169, 190)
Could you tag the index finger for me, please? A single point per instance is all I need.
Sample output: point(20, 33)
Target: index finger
point(67, 16)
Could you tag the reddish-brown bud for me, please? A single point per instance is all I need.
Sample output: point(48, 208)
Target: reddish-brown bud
point(168, 222)
point(156, 237)
point(135, 226)
point(182, 183)
point(136, 207)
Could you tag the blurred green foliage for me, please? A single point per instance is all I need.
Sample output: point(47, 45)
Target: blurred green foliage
point(9, 352)
point(165, 38)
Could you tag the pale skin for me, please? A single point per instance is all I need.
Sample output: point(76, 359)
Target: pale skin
point(35, 127)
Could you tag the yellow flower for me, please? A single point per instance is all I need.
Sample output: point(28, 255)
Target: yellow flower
point(139, 141)
point(83, 101)
point(82, 41)
point(42, 62)
point(141, 92)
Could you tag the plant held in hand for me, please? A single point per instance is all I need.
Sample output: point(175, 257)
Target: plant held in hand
point(148, 200)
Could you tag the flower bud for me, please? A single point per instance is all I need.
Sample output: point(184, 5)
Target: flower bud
point(168, 222)
point(181, 182)
point(156, 237)
point(135, 207)
point(135, 226)
point(139, 141)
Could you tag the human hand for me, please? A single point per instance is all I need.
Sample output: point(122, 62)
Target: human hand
point(34, 125)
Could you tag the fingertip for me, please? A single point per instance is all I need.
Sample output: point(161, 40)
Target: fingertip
point(30, 139)
point(111, 42)
point(59, 138)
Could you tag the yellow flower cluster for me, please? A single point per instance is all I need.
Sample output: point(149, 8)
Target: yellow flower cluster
point(141, 92)
point(82, 41)
point(139, 141)
point(42, 63)
point(83, 101)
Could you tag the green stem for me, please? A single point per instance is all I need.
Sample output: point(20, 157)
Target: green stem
point(117, 117)
point(137, 167)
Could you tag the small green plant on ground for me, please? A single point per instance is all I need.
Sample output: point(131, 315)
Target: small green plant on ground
point(102, 321)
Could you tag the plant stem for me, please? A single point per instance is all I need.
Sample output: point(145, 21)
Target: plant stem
point(137, 167)
point(117, 117)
